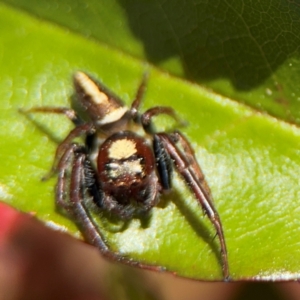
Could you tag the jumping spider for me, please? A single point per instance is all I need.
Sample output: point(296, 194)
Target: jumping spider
point(127, 174)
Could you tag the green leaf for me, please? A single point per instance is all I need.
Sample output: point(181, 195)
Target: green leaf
point(250, 160)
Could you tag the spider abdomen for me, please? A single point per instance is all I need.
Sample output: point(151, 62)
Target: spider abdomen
point(125, 163)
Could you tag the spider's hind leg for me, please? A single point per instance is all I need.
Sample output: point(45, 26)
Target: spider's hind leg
point(65, 167)
point(187, 166)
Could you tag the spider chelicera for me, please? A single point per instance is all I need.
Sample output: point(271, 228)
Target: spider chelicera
point(127, 173)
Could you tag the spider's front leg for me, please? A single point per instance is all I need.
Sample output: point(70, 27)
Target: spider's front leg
point(187, 166)
point(74, 183)
point(82, 128)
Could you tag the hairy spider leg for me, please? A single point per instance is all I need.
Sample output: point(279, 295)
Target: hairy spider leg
point(154, 111)
point(74, 158)
point(192, 176)
point(147, 116)
point(60, 190)
point(134, 109)
point(191, 158)
point(80, 129)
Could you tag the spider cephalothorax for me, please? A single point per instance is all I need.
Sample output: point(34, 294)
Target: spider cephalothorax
point(124, 173)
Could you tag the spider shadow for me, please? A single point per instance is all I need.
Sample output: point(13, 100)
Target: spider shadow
point(208, 44)
point(198, 226)
point(114, 224)
point(41, 127)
